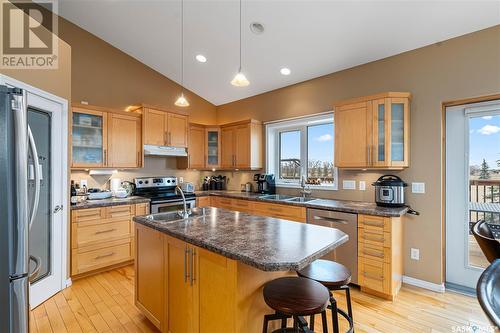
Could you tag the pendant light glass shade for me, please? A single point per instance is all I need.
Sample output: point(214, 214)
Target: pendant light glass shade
point(240, 80)
point(182, 101)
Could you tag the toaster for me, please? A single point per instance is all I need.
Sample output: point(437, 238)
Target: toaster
point(187, 187)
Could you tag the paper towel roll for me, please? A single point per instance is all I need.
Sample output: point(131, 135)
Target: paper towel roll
point(116, 183)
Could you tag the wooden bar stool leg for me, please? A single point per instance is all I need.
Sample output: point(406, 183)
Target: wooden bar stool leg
point(323, 322)
point(311, 322)
point(335, 318)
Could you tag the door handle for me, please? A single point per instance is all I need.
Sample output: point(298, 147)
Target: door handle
point(193, 257)
point(34, 155)
point(330, 219)
point(186, 274)
point(38, 265)
point(58, 208)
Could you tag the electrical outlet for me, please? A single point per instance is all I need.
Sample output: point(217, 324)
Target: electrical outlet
point(349, 184)
point(415, 254)
point(181, 180)
point(362, 185)
point(417, 187)
point(83, 182)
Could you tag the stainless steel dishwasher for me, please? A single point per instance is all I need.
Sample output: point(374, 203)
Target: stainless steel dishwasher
point(347, 253)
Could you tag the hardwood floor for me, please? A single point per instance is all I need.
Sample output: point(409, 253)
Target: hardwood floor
point(105, 303)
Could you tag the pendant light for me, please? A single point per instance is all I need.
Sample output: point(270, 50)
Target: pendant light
point(239, 79)
point(182, 101)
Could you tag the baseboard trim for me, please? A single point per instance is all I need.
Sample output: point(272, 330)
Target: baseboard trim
point(68, 283)
point(424, 284)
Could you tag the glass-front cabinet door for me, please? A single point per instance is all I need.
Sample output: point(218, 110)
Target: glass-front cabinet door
point(213, 147)
point(89, 138)
point(390, 132)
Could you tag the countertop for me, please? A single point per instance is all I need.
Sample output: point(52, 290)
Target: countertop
point(357, 207)
point(265, 243)
point(109, 202)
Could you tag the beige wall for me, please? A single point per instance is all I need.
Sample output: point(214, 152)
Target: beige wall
point(463, 67)
point(105, 76)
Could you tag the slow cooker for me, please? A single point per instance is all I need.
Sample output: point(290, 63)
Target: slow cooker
point(389, 191)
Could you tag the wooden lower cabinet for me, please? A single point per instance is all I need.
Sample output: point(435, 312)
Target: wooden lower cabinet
point(102, 238)
point(203, 201)
point(286, 212)
point(380, 258)
point(199, 291)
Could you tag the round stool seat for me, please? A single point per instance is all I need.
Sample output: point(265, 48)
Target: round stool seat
point(327, 272)
point(296, 296)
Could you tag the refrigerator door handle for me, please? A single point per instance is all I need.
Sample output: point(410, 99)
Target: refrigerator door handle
point(34, 155)
point(36, 270)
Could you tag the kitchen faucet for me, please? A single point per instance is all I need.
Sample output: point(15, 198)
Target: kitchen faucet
point(184, 213)
point(305, 192)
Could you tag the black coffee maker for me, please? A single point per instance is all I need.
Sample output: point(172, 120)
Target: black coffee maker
point(266, 184)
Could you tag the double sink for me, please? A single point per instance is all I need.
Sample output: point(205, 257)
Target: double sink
point(286, 198)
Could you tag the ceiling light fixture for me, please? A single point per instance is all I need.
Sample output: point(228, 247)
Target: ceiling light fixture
point(285, 71)
point(201, 58)
point(182, 101)
point(239, 79)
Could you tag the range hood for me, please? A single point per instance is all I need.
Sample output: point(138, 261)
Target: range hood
point(151, 150)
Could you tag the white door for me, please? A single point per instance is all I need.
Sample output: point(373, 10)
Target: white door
point(472, 186)
point(47, 120)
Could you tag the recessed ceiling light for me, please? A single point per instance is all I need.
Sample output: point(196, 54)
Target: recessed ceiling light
point(201, 58)
point(285, 71)
point(257, 28)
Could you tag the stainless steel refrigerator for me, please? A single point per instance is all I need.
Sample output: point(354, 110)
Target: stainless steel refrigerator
point(17, 209)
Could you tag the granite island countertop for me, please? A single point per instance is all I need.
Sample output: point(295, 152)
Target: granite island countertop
point(347, 206)
point(266, 243)
point(109, 202)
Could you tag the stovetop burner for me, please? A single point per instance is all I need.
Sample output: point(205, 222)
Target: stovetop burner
point(158, 189)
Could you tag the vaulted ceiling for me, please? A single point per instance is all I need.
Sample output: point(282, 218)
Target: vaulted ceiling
point(311, 38)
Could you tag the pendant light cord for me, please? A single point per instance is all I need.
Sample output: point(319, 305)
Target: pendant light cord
point(182, 46)
point(239, 70)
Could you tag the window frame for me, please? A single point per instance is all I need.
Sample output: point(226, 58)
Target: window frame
point(273, 148)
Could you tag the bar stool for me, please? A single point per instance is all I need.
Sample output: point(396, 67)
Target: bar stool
point(295, 297)
point(334, 276)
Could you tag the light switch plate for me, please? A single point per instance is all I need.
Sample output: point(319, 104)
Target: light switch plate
point(362, 185)
point(181, 180)
point(417, 187)
point(349, 184)
point(83, 182)
point(415, 254)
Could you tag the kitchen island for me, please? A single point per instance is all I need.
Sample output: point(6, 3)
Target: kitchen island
point(206, 273)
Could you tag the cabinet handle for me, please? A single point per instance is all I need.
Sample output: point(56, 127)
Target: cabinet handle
point(138, 158)
point(373, 237)
point(104, 256)
point(104, 231)
point(373, 253)
point(105, 157)
point(373, 276)
point(193, 258)
point(169, 138)
point(272, 209)
point(186, 274)
point(166, 138)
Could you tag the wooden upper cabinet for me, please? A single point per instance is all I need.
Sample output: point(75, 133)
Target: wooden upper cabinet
point(212, 147)
point(227, 147)
point(124, 141)
point(162, 128)
point(177, 130)
point(373, 131)
point(103, 138)
point(196, 150)
point(155, 132)
point(241, 145)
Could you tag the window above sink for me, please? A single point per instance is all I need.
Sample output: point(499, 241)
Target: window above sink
point(302, 147)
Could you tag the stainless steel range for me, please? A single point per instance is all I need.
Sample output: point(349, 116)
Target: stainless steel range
point(161, 192)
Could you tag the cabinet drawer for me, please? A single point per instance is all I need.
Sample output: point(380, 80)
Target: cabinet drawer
point(87, 215)
point(371, 274)
point(374, 252)
point(374, 224)
point(141, 209)
point(87, 261)
point(203, 202)
point(119, 211)
point(287, 212)
point(100, 233)
point(220, 202)
point(374, 238)
point(242, 205)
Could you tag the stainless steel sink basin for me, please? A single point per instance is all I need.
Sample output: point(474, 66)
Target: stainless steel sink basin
point(300, 199)
point(278, 197)
point(175, 216)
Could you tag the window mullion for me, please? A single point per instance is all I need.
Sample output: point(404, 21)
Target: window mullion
point(303, 151)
